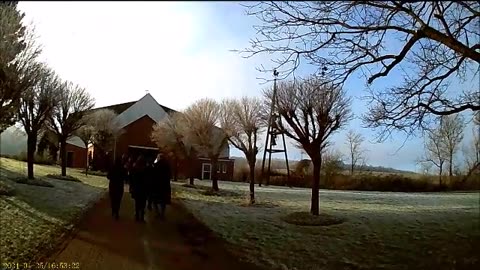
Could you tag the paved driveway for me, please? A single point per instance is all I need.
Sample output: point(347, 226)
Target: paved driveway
point(179, 242)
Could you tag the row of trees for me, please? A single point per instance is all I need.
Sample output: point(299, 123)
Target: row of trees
point(207, 126)
point(443, 142)
point(31, 92)
point(312, 111)
point(438, 42)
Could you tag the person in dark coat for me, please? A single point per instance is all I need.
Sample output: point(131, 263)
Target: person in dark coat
point(128, 166)
point(139, 188)
point(161, 185)
point(116, 176)
point(149, 174)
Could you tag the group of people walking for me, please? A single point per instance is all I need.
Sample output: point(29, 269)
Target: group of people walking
point(149, 181)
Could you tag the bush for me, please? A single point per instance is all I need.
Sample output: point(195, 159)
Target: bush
point(390, 182)
point(64, 178)
point(239, 173)
point(6, 189)
point(33, 182)
point(41, 159)
point(375, 182)
point(332, 179)
point(459, 183)
point(258, 203)
point(223, 193)
point(307, 219)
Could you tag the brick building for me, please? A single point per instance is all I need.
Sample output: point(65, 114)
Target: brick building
point(137, 120)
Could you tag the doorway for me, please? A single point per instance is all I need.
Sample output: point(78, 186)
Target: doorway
point(149, 153)
point(206, 171)
point(70, 159)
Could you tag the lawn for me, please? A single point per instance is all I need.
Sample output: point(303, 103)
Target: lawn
point(381, 229)
point(34, 220)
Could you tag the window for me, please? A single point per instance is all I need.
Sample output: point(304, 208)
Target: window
point(222, 168)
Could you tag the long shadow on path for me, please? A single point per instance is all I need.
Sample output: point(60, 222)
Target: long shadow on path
point(180, 242)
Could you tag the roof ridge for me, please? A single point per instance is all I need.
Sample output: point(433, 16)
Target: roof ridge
point(118, 104)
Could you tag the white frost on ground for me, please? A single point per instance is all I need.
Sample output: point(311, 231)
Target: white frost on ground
point(383, 229)
point(33, 219)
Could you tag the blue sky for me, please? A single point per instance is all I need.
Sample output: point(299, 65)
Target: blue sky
point(180, 52)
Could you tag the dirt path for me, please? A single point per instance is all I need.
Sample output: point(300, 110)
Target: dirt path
point(179, 242)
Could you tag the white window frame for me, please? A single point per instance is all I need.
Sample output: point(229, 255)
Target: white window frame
point(222, 167)
point(209, 171)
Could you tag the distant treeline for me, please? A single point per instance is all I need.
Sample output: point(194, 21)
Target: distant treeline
point(280, 164)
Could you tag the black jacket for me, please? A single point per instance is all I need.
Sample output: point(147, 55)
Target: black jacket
point(138, 183)
point(116, 176)
point(160, 181)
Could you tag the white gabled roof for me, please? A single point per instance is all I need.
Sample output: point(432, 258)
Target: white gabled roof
point(147, 105)
point(75, 140)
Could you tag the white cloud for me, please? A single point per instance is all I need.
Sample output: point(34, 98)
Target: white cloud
point(119, 50)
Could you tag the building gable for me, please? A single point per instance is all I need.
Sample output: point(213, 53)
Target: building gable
point(145, 106)
point(117, 108)
point(75, 140)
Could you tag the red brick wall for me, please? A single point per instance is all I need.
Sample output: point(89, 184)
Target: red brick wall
point(137, 133)
point(79, 155)
point(197, 167)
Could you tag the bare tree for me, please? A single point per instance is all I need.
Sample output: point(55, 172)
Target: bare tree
point(242, 121)
point(302, 168)
point(312, 111)
point(356, 152)
point(435, 151)
point(451, 130)
point(48, 141)
point(438, 43)
point(332, 165)
point(37, 105)
point(476, 118)
point(471, 152)
point(67, 117)
point(106, 131)
point(425, 167)
point(172, 136)
point(18, 68)
point(85, 133)
point(203, 117)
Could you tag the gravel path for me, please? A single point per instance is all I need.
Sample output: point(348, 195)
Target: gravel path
point(178, 243)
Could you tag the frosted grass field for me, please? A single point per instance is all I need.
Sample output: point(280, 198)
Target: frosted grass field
point(382, 229)
point(33, 221)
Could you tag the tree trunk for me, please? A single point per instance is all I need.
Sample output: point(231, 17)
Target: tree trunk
point(450, 166)
point(251, 164)
point(191, 170)
point(63, 155)
point(52, 150)
point(440, 175)
point(352, 167)
point(315, 203)
point(31, 145)
point(214, 174)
